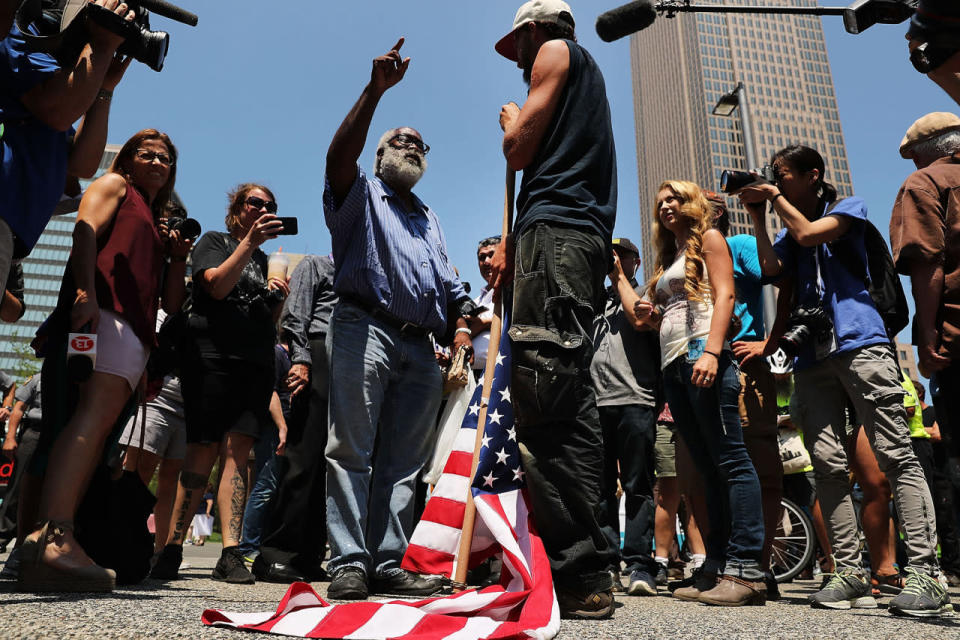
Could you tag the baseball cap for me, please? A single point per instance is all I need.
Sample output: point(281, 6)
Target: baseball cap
point(555, 11)
point(624, 243)
point(927, 127)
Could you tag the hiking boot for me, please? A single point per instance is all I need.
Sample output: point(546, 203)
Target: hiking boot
point(699, 582)
point(231, 568)
point(922, 596)
point(580, 606)
point(845, 589)
point(662, 577)
point(406, 584)
point(348, 583)
point(889, 585)
point(732, 591)
point(168, 563)
point(617, 580)
point(642, 584)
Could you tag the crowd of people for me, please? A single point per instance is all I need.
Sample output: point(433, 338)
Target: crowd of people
point(315, 396)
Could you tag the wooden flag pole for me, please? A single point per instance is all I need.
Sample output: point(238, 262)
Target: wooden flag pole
point(459, 576)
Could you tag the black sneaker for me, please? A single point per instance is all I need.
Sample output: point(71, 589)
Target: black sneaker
point(406, 584)
point(231, 568)
point(348, 583)
point(922, 596)
point(168, 563)
point(844, 590)
point(662, 577)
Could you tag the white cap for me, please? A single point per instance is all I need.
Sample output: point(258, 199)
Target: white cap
point(555, 11)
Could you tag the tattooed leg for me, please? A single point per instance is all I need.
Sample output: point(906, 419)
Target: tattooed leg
point(193, 480)
point(232, 494)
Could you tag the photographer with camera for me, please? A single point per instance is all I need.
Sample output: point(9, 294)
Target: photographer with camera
point(40, 99)
point(112, 285)
point(934, 37)
point(844, 354)
point(227, 371)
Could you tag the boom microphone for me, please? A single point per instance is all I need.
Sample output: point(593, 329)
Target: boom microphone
point(623, 21)
point(167, 10)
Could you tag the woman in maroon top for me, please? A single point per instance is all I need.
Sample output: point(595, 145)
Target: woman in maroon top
point(111, 287)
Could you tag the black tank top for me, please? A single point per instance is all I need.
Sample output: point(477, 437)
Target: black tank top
point(573, 178)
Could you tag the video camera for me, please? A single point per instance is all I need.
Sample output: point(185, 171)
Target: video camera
point(936, 25)
point(732, 181)
point(64, 32)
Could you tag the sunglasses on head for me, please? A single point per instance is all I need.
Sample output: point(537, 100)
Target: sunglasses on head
point(260, 203)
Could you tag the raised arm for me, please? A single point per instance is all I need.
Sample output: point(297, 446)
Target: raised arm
point(348, 141)
point(62, 99)
point(523, 129)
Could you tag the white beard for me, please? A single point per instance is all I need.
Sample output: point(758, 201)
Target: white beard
point(399, 172)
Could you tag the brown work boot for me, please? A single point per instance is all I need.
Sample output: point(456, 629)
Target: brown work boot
point(703, 582)
point(732, 591)
point(581, 606)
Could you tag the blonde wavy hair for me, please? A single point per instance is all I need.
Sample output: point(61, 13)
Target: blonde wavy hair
point(697, 212)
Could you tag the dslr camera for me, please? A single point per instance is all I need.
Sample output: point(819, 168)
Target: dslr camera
point(188, 227)
point(63, 25)
point(732, 181)
point(805, 323)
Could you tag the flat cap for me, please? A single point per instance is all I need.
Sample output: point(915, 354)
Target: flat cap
point(624, 243)
point(927, 127)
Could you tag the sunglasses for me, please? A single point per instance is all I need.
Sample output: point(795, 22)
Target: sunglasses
point(149, 156)
point(260, 203)
point(406, 140)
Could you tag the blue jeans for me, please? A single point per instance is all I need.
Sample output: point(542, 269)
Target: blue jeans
point(384, 396)
point(629, 435)
point(263, 492)
point(708, 419)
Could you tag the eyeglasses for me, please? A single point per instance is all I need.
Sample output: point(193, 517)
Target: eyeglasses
point(149, 156)
point(260, 203)
point(407, 140)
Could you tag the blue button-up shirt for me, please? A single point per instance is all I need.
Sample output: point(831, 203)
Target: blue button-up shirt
point(390, 257)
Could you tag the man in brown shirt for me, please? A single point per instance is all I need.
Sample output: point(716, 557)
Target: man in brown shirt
point(924, 232)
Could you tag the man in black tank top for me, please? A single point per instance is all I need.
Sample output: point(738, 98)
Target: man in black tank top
point(562, 140)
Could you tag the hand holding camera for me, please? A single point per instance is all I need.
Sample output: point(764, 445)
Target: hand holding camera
point(106, 24)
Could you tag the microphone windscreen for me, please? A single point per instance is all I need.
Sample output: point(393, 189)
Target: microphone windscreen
point(168, 10)
point(622, 21)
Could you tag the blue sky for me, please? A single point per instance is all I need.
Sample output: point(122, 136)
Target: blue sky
point(256, 91)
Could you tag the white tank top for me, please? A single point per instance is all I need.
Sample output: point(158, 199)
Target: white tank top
point(686, 324)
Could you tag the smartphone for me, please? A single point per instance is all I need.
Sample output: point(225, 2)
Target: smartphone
point(289, 226)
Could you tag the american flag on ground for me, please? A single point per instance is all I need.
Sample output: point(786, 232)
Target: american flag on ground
point(523, 605)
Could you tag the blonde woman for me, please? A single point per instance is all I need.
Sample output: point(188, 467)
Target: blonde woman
point(692, 296)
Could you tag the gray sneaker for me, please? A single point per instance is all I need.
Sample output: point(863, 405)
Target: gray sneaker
point(845, 589)
point(922, 596)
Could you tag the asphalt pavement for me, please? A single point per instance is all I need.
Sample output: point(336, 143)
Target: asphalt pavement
point(172, 610)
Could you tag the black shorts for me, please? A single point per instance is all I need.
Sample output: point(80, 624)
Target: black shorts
point(223, 396)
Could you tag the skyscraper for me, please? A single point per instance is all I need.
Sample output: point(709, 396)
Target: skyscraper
point(682, 66)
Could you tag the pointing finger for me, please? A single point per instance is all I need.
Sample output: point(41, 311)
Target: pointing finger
point(397, 46)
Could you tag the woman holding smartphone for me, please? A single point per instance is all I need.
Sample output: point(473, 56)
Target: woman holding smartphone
point(228, 370)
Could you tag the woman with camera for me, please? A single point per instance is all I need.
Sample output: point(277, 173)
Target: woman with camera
point(112, 287)
point(844, 353)
point(693, 291)
point(227, 372)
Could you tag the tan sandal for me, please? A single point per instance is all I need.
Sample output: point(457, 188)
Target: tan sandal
point(36, 576)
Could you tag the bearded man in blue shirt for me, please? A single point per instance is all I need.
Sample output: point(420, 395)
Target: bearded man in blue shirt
point(396, 288)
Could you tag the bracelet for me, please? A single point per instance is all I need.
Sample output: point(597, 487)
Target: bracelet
point(104, 94)
point(715, 355)
point(463, 330)
point(8, 408)
point(774, 198)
